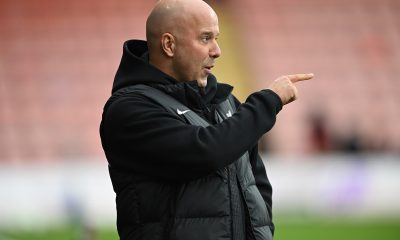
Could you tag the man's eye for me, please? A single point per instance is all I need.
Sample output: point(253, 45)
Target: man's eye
point(205, 39)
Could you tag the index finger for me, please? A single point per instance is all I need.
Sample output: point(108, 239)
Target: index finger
point(300, 77)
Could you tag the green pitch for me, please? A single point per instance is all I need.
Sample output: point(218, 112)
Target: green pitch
point(316, 229)
point(327, 230)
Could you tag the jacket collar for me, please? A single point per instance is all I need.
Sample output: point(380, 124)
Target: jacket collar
point(192, 96)
point(135, 69)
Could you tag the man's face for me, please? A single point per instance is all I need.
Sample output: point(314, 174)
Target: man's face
point(197, 49)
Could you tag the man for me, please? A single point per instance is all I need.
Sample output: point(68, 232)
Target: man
point(190, 170)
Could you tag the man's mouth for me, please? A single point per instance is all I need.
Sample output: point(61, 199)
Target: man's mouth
point(208, 68)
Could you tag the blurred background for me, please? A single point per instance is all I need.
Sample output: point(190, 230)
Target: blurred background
point(333, 156)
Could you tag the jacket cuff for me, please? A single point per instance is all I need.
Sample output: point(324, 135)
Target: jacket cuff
point(274, 98)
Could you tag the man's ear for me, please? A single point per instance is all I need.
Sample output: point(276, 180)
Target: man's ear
point(168, 44)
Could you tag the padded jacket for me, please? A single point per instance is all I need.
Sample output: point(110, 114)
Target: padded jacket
point(176, 179)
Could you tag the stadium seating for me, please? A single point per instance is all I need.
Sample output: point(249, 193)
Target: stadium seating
point(351, 46)
point(58, 59)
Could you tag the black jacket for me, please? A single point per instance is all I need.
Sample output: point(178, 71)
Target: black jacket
point(152, 153)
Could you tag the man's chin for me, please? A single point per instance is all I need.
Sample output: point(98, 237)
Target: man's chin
point(202, 83)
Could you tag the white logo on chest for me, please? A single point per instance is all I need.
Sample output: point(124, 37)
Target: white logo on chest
point(181, 112)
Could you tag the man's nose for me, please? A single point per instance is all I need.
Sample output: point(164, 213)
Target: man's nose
point(215, 51)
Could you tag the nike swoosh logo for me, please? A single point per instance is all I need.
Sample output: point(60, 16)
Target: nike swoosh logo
point(181, 112)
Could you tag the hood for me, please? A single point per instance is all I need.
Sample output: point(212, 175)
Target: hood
point(135, 69)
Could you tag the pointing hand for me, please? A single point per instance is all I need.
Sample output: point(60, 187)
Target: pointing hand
point(285, 88)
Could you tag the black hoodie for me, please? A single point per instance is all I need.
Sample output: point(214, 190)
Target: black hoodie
point(140, 137)
point(136, 126)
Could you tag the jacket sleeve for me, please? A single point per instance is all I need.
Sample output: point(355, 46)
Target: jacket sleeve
point(139, 135)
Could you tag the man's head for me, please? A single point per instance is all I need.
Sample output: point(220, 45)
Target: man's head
point(182, 39)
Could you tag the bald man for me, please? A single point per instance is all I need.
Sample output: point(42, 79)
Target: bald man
point(182, 151)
